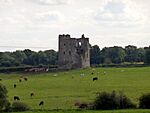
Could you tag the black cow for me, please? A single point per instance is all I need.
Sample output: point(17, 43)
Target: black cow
point(20, 80)
point(16, 98)
point(32, 94)
point(95, 78)
point(41, 103)
point(15, 85)
point(26, 79)
point(0, 79)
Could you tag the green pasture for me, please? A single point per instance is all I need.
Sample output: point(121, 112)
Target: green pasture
point(60, 90)
point(90, 111)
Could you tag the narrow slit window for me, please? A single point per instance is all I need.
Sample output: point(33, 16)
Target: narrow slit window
point(69, 52)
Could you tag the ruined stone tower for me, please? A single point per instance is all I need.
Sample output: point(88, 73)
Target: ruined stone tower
point(73, 52)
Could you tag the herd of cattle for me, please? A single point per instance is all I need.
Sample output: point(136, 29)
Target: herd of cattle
point(37, 70)
point(41, 103)
point(16, 98)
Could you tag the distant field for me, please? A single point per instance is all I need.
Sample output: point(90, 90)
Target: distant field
point(90, 111)
point(62, 89)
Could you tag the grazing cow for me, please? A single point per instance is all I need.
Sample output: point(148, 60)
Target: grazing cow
point(47, 69)
point(122, 70)
point(104, 72)
point(16, 98)
point(92, 73)
point(95, 78)
point(20, 80)
point(55, 75)
point(93, 69)
point(26, 79)
point(72, 77)
point(32, 94)
point(37, 70)
point(15, 85)
point(41, 103)
point(82, 75)
point(21, 76)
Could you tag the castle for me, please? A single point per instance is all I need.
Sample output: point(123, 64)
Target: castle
point(73, 52)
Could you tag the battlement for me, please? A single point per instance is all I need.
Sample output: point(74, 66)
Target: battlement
point(64, 36)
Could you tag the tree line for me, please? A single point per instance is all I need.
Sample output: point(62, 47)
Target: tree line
point(106, 55)
point(118, 55)
point(28, 58)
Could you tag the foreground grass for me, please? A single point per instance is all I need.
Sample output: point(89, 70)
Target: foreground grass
point(89, 111)
point(65, 88)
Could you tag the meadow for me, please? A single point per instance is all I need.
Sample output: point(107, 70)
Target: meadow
point(61, 90)
point(89, 111)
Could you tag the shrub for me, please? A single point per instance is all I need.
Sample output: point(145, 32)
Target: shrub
point(20, 106)
point(125, 102)
point(84, 105)
point(81, 105)
point(145, 101)
point(107, 101)
point(4, 103)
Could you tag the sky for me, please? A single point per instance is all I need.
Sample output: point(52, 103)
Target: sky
point(36, 24)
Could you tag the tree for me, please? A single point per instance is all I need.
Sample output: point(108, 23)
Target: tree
point(4, 103)
point(113, 54)
point(28, 52)
point(147, 55)
point(95, 56)
point(131, 53)
point(51, 56)
point(6, 60)
point(48, 57)
point(31, 57)
point(42, 59)
point(19, 56)
point(140, 54)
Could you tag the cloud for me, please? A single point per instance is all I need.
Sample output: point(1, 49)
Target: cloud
point(49, 16)
point(52, 2)
point(125, 13)
point(105, 22)
point(6, 1)
point(114, 7)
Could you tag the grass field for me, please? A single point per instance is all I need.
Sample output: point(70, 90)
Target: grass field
point(62, 91)
point(90, 111)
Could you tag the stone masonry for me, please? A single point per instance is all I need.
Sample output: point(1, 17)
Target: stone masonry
point(73, 52)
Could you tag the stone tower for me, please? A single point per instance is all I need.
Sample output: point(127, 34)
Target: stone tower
point(73, 52)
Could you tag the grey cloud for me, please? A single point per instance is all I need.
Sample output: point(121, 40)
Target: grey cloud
point(112, 11)
point(120, 14)
point(48, 16)
point(51, 2)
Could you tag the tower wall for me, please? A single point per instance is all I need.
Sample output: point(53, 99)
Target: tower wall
point(73, 52)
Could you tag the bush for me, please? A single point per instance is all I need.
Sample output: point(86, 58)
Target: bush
point(82, 105)
point(125, 102)
point(144, 101)
point(19, 106)
point(107, 101)
point(4, 103)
